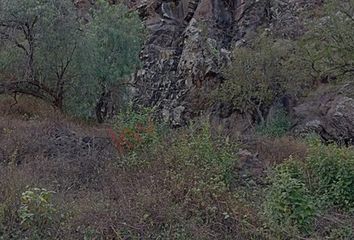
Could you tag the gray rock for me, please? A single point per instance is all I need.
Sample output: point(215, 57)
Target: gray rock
point(329, 114)
point(189, 43)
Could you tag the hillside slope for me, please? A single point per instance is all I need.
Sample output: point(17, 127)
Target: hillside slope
point(62, 179)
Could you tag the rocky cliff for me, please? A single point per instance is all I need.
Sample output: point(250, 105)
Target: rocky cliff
point(190, 41)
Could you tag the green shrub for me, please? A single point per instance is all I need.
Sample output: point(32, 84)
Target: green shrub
point(128, 118)
point(211, 152)
point(135, 133)
point(277, 126)
point(330, 43)
point(266, 67)
point(194, 147)
point(301, 190)
point(37, 213)
point(332, 173)
point(202, 167)
point(193, 168)
point(210, 155)
point(260, 73)
point(289, 203)
point(200, 170)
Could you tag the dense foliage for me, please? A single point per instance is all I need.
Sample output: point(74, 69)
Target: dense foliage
point(303, 190)
point(330, 42)
point(184, 184)
point(135, 178)
point(48, 44)
point(265, 69)
point(113, 39)
point(261, 73)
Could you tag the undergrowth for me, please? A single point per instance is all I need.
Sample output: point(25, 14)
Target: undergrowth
point(277, 126)
point(302, 191)
point(157, 183)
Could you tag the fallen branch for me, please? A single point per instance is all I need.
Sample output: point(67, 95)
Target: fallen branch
point(29, 88)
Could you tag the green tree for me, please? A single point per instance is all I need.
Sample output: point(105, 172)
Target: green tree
point(49, 52)
point(57, 48)
point(262, 72)
point(113, 40)
point(40, 39)
point(330, 42)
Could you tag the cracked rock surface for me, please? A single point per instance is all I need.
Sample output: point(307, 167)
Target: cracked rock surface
point(189, 42)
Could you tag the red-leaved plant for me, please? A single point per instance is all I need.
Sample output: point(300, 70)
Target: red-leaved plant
point(129, 138)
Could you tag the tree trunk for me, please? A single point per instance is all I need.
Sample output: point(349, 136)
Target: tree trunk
point(104, 107)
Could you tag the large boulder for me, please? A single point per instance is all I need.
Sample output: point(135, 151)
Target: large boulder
point(329, 113)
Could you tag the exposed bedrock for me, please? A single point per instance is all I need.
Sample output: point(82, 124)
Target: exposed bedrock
point(190, 41)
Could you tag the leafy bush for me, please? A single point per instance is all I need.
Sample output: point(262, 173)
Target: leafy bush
point(189, 166)
point(332, 175)
point(299, 191)
point(277, 126)
point(199, 170)
point(330, 43)
point(134, 131)
point(264, 69)
point(37, 213)
point(199, 148)
point(289, 202)
point(202, 165)
point(262, 72)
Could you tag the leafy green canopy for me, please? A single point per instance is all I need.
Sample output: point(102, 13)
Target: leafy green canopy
point(300, 191)
point(262, 72)
point(45, 41)
point(109, 54)
point(330, 41)
point(267, 68)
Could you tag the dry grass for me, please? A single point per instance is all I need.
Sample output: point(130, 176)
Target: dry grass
point(101, 195)
point(26, 107)
point(102, 199)
point(273, 151)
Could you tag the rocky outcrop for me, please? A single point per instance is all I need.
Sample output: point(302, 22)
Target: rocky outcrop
point(328, 113)
point(190, 41)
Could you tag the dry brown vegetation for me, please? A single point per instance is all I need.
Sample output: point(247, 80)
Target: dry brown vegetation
point(96, 194)
point(170, 190)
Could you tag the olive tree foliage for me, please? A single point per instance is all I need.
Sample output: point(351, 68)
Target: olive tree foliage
point(18, 22)
point(113, 39)
point(39, 39)
point(330, 42)
point(56, 59)
point(47, 51)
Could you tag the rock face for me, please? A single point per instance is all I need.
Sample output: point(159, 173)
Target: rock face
point(329, 114)
point(190, 41)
